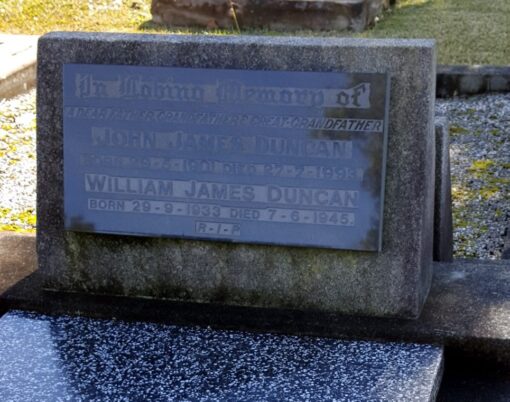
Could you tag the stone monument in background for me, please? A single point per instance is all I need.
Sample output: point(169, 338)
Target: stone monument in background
point(279, 15)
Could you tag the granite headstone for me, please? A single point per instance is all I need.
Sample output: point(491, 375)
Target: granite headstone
point(391, 277)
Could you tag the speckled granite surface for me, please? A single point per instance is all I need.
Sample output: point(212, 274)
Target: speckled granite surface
point(47, 358)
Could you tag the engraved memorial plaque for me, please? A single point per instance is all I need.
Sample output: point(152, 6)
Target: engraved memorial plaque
point(275, 157)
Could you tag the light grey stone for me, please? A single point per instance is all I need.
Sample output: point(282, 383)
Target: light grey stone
point(17, 71)
point(394, 282)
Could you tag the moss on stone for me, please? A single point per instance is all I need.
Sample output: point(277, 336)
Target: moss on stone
point(455, 130)
point(481, 166)
point(22, 222)
point(469, 112)
point(460, 193)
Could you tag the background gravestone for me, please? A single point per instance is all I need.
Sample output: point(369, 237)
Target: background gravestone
point(393, 282)
point(279, 15)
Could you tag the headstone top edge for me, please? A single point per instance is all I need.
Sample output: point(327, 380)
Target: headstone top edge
point(242, 40)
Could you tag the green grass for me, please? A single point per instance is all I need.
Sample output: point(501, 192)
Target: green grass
point(467, 31)
point(22, 222)
point(41, 16)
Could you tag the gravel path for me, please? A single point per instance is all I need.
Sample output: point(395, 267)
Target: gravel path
point(480, 163)
point(480, 159)
point(17, 163)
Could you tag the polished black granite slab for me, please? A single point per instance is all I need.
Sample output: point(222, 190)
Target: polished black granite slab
point(274, 157)
point(48, 358)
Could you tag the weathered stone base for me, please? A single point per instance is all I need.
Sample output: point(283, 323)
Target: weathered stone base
point(280, 15)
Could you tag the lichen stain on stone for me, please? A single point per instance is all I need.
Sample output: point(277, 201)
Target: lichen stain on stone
point(83, 248)
point(269, 276)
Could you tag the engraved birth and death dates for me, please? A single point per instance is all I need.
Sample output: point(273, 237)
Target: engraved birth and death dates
point(278, 157)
